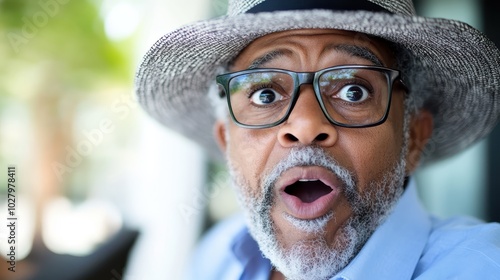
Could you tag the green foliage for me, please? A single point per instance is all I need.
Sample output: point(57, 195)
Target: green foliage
point(67, 33)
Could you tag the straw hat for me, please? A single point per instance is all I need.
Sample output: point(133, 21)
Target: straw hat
point(463, 66)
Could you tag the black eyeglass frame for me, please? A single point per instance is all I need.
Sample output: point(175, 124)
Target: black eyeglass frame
point(300, 78)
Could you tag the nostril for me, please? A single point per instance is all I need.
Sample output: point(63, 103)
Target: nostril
point(321, 137)
point(291, 138)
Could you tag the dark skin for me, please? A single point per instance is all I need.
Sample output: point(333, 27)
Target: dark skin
point(366, 152)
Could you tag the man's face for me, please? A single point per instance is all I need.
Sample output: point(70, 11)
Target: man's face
point(314, 192)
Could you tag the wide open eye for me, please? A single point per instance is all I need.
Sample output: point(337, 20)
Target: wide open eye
point(265, 96)
point(353, 93)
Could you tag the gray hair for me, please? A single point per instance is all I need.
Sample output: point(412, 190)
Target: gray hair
point(221, 111)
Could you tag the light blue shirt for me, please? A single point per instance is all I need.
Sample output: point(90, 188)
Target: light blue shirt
point(410, 244)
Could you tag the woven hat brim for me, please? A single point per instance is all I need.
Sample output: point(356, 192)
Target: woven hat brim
point(462, 67)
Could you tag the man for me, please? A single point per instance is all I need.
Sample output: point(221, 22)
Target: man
point(324, 110)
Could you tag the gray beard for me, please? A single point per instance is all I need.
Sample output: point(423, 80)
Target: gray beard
point(316, 258)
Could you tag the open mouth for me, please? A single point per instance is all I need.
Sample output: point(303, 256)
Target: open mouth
point(308, 190)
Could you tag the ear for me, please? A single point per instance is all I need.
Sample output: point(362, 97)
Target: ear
point(220, 135)
point(421, 126)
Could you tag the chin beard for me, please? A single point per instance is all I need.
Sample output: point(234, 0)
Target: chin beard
point(316, 258)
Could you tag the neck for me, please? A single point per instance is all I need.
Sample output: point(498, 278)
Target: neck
point(276, 275)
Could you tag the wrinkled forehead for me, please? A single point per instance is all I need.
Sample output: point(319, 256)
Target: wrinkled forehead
point(313, 42)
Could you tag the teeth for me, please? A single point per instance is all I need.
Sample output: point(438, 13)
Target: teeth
point(308, 180)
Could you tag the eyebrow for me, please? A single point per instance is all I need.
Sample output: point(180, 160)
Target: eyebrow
point(352, 50)
point(358, 51)
point(268, 57)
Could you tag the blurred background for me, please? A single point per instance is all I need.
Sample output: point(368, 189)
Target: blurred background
point(104, 191)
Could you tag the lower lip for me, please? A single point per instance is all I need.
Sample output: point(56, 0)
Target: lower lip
point(311, 210)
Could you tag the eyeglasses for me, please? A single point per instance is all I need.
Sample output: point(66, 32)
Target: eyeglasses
point(350, 96)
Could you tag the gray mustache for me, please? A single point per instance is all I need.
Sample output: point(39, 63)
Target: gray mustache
point(311, 156)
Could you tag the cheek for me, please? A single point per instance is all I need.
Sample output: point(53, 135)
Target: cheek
point(371, 155)
point(250, 155)
point(371, 152)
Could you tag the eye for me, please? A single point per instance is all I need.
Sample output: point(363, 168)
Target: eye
point(265, 96)
point(353, 93)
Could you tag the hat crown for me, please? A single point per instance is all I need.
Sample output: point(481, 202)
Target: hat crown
point(403, 7)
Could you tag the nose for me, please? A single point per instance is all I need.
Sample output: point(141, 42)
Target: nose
point(307, 123)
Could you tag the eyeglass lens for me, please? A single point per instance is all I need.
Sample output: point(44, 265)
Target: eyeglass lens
point(350, 96)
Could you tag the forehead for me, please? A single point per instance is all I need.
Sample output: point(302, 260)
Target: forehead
point(320, 45)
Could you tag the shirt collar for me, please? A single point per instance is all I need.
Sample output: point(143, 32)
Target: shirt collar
point(247, 252)
point(393, 251)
